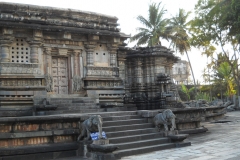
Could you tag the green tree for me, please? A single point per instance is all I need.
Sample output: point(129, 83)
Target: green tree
point(178, 27)
point(210, 28)
point(187, 91)
point(155, 26)
point(224, 73)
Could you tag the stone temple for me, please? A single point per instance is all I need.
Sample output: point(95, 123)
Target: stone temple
point(53, 53)
point(60, 66)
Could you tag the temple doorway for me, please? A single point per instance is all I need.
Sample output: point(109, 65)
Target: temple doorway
point(60, 75)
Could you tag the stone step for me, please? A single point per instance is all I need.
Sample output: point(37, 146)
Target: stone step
point(77, 107)
point(131, 132)
point(142, 143)
point(142, 150)
point(133, 138)
point(119, 113)
point(127, 127)
point(124, 122)
point(125, 117)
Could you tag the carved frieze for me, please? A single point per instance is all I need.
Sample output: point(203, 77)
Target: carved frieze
point(104, 83)
point(20, 82)
point(19, 68)
point(102, 71)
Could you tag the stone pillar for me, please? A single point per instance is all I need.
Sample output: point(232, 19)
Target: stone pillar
point(89, 53)
point(5, 53)
point(5, 40)
point(34, 53)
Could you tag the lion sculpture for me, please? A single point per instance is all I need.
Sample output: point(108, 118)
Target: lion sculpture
point(164, 118)
point(90, 125)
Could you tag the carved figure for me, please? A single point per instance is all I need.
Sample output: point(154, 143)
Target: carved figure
point(49, 82)
point(164, 118)
point(76, 83)
point(90, 125)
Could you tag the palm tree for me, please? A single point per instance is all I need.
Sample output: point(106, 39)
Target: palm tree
point(224, 73)
point(178, 27)
point(155, 26)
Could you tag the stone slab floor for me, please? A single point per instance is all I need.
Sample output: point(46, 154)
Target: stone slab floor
point(221, 142)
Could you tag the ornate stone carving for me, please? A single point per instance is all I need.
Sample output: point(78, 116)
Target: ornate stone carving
point(19, 68)
point(92, 124)
point(20, 82)
point(163, 119)
point(49, 82)
point(76, 83)
point(104, 83)
point(102, 71)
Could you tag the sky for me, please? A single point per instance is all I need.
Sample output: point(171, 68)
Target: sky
point(127, 11)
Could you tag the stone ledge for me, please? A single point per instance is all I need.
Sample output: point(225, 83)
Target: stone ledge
point(39, 133)
point(22, 87)
point(38, 149)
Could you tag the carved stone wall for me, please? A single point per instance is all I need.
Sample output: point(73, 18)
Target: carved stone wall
point(143, 66)
point(20, 68)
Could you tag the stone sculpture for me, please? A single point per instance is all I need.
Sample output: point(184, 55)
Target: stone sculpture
point(164, 118)
point(90, 125)
point(49, 82)
point(76, 83)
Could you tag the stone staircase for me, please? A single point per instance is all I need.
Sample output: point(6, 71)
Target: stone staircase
point(134, 135)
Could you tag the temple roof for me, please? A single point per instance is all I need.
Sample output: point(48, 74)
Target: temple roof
point(58, 19)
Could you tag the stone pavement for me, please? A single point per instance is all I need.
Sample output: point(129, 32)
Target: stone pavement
point(221, 142)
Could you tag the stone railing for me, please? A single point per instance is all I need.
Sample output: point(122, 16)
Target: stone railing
point(20, 68)
point(188, 119)
point(102, 71)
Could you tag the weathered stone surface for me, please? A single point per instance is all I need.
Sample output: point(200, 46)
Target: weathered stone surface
point(178, 137)
point(108, 148)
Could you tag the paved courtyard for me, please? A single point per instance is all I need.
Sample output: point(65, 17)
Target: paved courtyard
point(222, 141)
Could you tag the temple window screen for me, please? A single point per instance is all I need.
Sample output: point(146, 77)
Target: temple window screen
point(20, 51)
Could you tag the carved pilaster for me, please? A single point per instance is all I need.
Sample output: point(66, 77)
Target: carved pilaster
point(76, 54)
point(48, 60)
point(89, 51)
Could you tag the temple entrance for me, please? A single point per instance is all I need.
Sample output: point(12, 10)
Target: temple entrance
point(60, 75)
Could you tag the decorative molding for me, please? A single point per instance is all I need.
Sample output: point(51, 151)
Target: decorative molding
point(20, 82)
point(102, 71)
point(20, 68)
point(104, 83)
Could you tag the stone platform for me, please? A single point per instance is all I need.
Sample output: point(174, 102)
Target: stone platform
point(54, 136)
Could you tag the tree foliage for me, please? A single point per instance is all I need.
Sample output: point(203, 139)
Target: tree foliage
point(214, 26)
point(155, 26)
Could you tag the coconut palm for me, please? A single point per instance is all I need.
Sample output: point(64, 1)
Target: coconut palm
point(178, 26)
point(155, 26)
